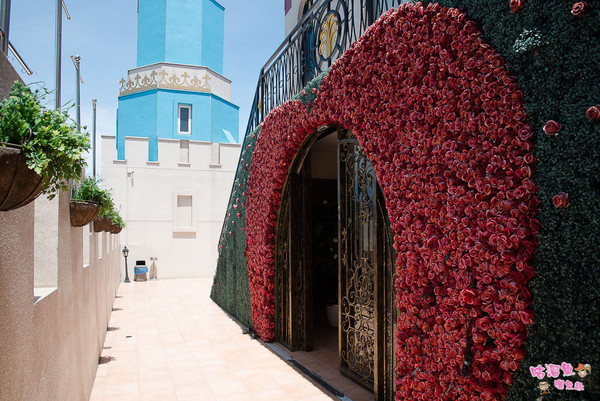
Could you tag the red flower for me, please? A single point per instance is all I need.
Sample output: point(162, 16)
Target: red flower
point(552, 127)
point(593, 113)
point(579, 8)
point(458, 189)
point(561, 199)
point(516, 5)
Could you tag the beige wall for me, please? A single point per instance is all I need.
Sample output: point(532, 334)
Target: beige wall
point(146, 194)
point(49, 349)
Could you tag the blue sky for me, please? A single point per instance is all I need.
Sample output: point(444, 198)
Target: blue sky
point(104, 34)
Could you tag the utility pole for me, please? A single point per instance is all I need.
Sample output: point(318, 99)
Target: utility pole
point(60, 5)
point(94, 140)
point(5, 25)
point(78, 80)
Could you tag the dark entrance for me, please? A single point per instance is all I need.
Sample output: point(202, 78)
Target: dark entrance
point(354, 267)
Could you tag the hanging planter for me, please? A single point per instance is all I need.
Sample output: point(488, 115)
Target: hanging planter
point(19, 185)
point(101, 224)
point(108, 226)
point(82, 212)
point(115, 228)
point(116, 222)
point(41, 151)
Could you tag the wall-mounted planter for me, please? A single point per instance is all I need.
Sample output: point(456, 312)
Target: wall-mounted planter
point(19, 185)
point(101, 224)
point(82, 212)
point(108, 226)
point(115, 228)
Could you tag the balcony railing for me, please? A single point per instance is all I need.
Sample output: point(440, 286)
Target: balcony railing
point(324, 33)
point(5, 45)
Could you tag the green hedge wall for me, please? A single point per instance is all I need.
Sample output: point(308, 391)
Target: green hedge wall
point(555, 57)
point(231, 289)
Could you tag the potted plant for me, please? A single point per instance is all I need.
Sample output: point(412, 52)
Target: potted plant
point(86, 201)
point(117, 222)
point(102, 222)
point(39, 150)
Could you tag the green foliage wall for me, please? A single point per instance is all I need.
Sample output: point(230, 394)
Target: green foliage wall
point(231, 289)
point(555, 57)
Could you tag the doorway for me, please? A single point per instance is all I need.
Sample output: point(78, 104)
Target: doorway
point(333, 247)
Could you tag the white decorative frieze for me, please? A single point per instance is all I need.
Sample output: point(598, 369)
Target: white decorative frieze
point(177, 77)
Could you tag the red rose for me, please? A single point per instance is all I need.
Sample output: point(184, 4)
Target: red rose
point(423, 196)
point(516, 5)
point(593, 113)
point(561, 199)
point(552, 127)
point(579, 8)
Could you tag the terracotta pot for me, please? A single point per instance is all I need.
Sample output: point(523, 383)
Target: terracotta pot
point(19, 185)
point(101, 223)
point(82, 212)
point(115, 228)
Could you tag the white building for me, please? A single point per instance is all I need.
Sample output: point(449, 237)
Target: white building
point(174, 157)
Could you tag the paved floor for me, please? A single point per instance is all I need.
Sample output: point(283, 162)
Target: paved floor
point(324, 361)
point(169, 341)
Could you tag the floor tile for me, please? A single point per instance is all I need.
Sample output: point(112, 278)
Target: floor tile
point(174, 343)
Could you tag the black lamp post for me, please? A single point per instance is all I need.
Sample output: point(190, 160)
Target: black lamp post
point(125, 254)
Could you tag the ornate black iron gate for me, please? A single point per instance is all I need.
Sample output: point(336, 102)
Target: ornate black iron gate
point(366, 294)
point(293, 253)
point(366, 272)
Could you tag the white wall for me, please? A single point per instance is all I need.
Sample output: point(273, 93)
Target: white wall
point(147, 193)
point(294, 15)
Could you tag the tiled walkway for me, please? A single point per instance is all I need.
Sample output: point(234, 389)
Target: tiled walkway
point(169, 341)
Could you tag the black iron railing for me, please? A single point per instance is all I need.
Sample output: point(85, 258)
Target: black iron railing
point(323, 34)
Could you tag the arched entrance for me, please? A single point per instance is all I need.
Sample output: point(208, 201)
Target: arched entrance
point(333, 245)
point(443, 123)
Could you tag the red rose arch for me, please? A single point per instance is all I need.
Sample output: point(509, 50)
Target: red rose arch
point(443, 123)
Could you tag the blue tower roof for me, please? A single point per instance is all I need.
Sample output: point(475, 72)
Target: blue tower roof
point(181, 31)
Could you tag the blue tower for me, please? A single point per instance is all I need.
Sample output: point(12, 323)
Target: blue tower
point(177, 90)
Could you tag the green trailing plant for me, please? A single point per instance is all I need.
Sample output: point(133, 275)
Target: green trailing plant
point(90, 191)
point(106, 208)
point(52, 146)
point(115, 217)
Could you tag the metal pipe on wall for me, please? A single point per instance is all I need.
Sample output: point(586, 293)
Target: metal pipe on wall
point(60, 5)
point(94, 140)
point(5, 24)
point(78, 81)
point(58, 52)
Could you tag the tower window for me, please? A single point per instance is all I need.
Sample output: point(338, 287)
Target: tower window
point(184, 119)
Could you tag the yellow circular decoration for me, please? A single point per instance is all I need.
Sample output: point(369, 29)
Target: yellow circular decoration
point(328, 35)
